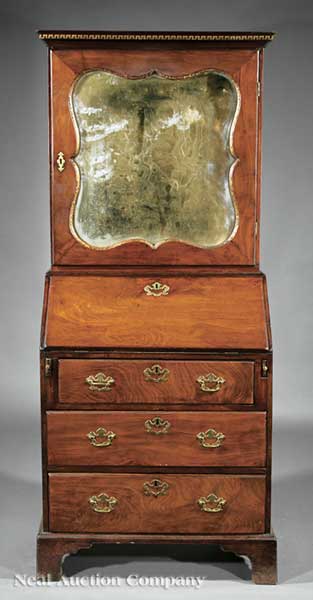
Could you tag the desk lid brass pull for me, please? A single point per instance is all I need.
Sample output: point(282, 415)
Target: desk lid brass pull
point(100, 382)
point(103, 503)
point(210, 438)
point(157, 425)
point(156, 373)
point(211, 503)
point(101, 437)
point(211, 382)
point(155, 488)
point(157, 289)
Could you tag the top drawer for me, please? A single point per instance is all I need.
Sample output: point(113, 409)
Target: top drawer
point(146, 382)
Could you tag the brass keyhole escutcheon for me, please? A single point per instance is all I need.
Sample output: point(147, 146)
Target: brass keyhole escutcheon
point(155, 488)
point(156, 373)
point(157, 425)
point(157, 289)
point(60, 162)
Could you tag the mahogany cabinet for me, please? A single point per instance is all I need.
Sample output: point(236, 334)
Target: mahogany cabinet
point(156, 354)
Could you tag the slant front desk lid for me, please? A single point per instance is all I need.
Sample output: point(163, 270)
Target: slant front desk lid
point(217, 312)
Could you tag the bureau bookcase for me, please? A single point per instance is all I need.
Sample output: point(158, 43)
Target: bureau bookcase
point(156, 355)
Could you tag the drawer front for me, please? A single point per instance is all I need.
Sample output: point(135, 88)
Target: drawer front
point(146, 382)
point(162, 503)
point(236, 439)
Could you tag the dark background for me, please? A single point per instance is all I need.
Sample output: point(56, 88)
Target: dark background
point(286, 248)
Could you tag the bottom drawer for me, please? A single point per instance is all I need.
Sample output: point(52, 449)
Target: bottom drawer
point(156, 503)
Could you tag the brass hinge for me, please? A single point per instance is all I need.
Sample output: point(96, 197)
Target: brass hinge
point(256, 229)
point(264, 368)
point(48, 367)
point(258, 87)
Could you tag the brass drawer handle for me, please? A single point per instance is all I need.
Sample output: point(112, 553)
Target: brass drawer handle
point(210, 438)
point(157, 289)
point(211, 382)
point(211, 503)
point(156, 374)
point(155, 488)
point(103, 503)
point(100, 382)
point(101, 437)
point(157, 425)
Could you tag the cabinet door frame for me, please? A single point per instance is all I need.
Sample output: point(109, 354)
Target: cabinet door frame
point(243, 66)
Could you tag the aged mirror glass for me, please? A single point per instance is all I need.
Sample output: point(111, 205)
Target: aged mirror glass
point(154, 159)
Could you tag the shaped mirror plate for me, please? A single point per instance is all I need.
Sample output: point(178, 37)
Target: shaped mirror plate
point(155, 159)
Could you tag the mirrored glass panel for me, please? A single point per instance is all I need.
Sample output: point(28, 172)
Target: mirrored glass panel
point(154, 159)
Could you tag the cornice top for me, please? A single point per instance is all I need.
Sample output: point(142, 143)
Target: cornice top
point(157, 36)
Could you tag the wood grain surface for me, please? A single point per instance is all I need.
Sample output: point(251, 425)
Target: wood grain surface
point(175, 512)
point(217, 312)
point(131, 386)
point(243, 445)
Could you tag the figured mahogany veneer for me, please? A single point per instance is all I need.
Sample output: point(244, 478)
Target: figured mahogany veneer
point(131, 386)
point(242, 446)
point(216, 312)
point(139, 484)
point(175, 512)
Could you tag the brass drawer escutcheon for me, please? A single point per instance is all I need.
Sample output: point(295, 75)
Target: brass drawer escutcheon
point(100, 382)
point(157, 425)
point(210, 438)
point(211, 503)
point(101, 437)
point(156, 374)
point(211, 382)
point(103, 503)
point(155, 488)
point(157, 289)
point(60, 162)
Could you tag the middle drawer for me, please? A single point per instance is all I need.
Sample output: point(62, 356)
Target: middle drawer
point(139, 438)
